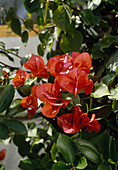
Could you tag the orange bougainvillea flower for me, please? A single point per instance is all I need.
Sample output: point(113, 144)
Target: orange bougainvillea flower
point(36, 65)
point(74, 81)
point(82, 61)
point(5, 73)
point(63, 64)
point(59, 64)
point(19, 79)
point(31, 104)
point(2, 154)
point(73, 122)
point(46, 93)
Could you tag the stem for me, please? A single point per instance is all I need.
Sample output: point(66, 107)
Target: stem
point(28, 25)
point(9, 52)
point(6, 65)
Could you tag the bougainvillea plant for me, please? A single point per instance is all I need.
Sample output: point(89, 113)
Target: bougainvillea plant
point(66, 114)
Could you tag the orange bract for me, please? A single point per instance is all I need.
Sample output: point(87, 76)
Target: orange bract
point(72, 122)
point(2, 154)
point(59, 64)
point(19, 79)
point(5, 73)
point(36, 65)
point(74, 81)
point(31, 104)
point(45, 93)
point(82, 61)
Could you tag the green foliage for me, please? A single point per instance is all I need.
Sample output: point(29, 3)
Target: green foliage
point(62, 17)
point(100, 91)
point(88, 150)
point(31, 6)
point(16, 26)
point(66, 147)
point(6, 97)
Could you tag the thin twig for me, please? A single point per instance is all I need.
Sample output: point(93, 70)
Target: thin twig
point(7, 51)
point(6, 65)
point(28, 25)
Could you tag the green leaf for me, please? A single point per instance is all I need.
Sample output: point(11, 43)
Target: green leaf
point(112, 149)
point(88, 150)
point(11, 12)
point(104, 166)
point(93, 4)
point(32, 6)
point(82, 163)
point(41, 49)
point(37, 147)
point(107, 41)
point(4, 131)
point(13, 104)
point(88, 17)
point(23, 146)
point(71, 42)
point(3, 53)
point(15, 110)
point(16, 26)
point(60, 166)
point(28, 23)
point(96, 52)
point(113, 61)
point(24, 37)
point(53, 152)
point(34, 164)
point(115, 106)
point(24, 90)
point(15, 125)
point(26, 164)
point(66, 146)
point(100, 91)
point(6, 97)
point(114, 94)
point(8, 20)
point(62, 17)
point(109, 78)
point(103, 144)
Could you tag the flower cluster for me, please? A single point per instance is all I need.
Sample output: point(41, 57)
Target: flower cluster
point(72, 122)
point(70, 75)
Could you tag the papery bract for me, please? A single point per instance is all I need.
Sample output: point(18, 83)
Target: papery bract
point(59, 64)
point(82, 61)
point(5, 73)
point(45, 93)
point(74, 81)
point(91, 124)
point(72, 122)
point(31, 104)
point(36, 65)
point(2, 154)
point(19, 79)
